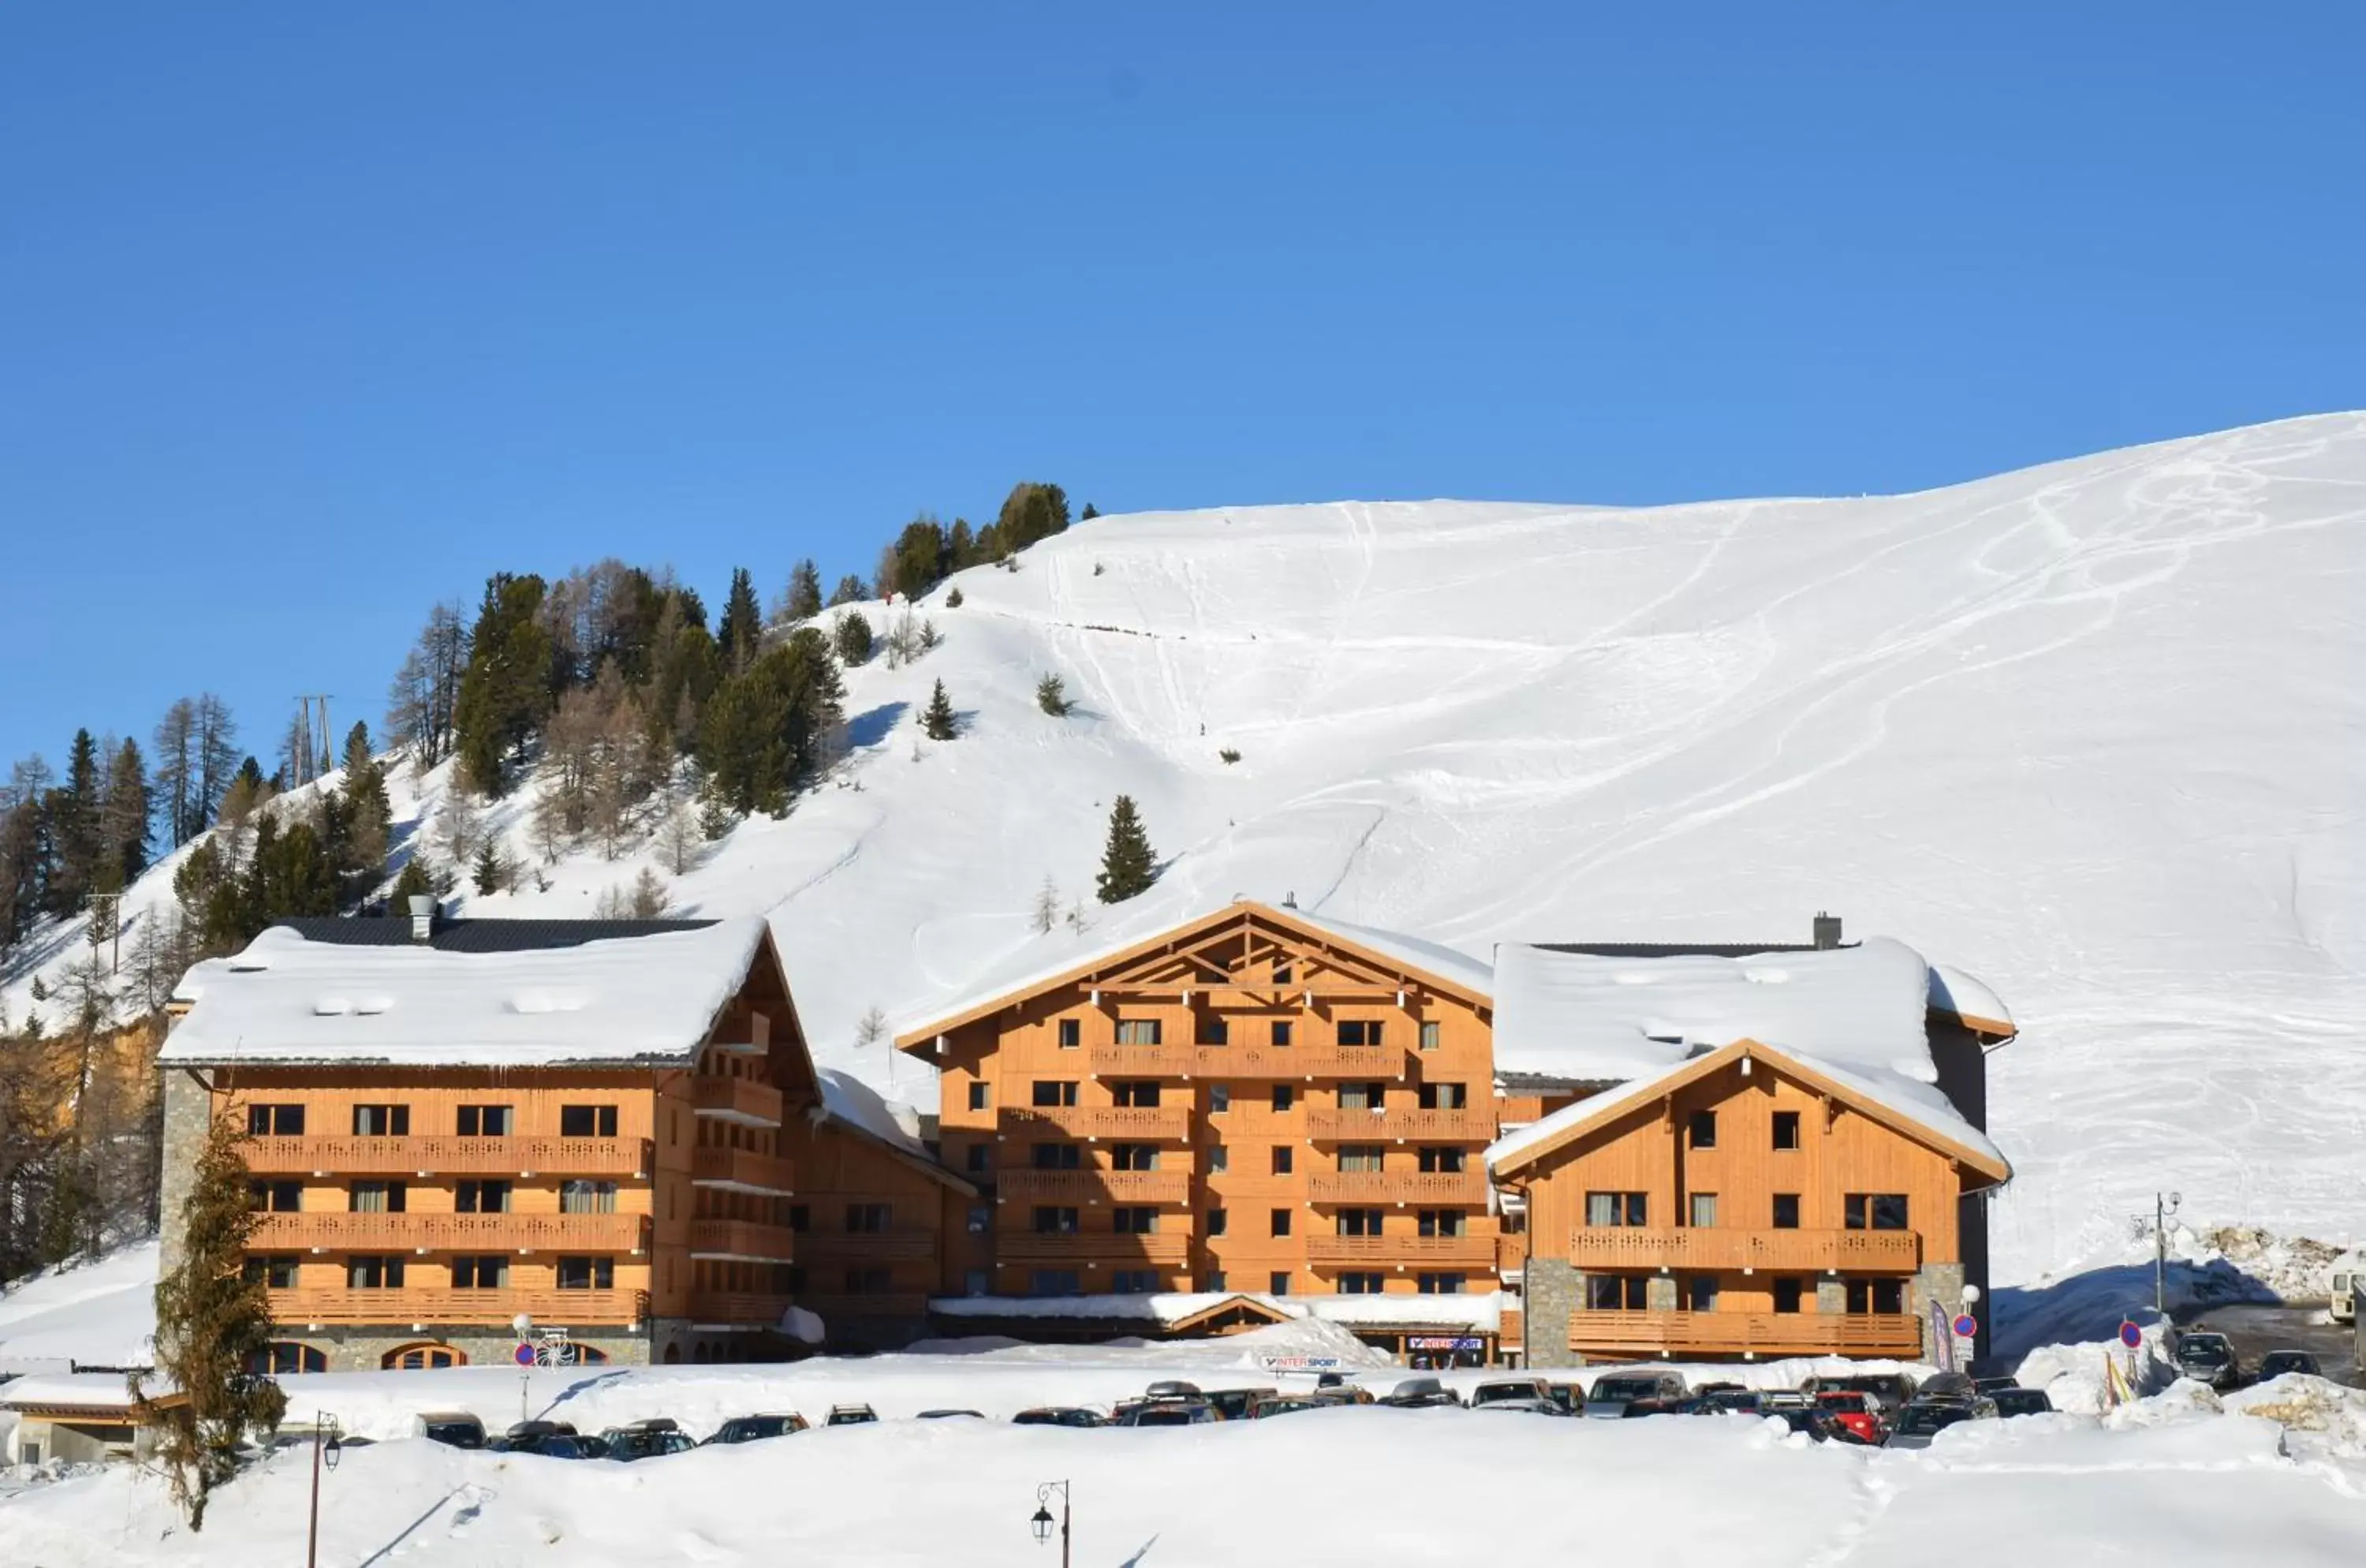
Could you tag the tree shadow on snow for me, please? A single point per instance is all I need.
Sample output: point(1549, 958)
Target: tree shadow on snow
point(872, 727)
point(1139, 1553)
point(576, 1390)
point(383, 1553)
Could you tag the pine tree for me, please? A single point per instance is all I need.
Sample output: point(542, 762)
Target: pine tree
point(953, 597)
point(803, 602)
point(414, 882)
point(1052, 696)
point(487, 874)
point(123, 821)
point(1031, 511)
point(1088, 513)
point(852, 640)
point(1046, 912)
point(358, 751)
point(938, 720)
point(72, 810)
point(1129, 865)
point(506, 690)
point(742, 631)
point(213, 1322)
point(850, 590)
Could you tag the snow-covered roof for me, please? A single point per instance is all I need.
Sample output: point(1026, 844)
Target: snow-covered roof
point(1415, 953)
point(620, 999)
point(74, 1391)
point(1477, 1311)
point(1968, 996)
point(849, 1101)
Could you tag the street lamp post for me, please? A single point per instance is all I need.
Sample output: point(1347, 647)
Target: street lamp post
point(2161, 1215)
point(523, 1324)
point(325, 1433)
point(1043, 1520)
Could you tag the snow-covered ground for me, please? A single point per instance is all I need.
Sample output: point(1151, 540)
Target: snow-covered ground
point(100, 1314)
point(2089, 731)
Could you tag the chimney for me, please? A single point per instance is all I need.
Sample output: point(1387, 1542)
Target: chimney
point(1828, 930)
point(423, 917)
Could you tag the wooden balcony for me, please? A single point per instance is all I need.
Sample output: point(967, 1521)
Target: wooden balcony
point(450, 1233)
point(742, 1170)
point(1512, 1328)
point(1105, 1247)
point(1275, 1063)
point(883, 1304)
point(905, 1244)
point(1471, 1124)
point(1150, 1123)
point(440, 1306)
point(1413, 1251)
point(1089, 1187)
point(742, 1239)
point(1658, 1334)
point(1450, 1188)
point(1691, 1247)
point(744, 1101)
point(426, 1157)
point(737, 1307)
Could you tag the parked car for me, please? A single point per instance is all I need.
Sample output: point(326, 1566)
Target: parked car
point(1951, 1386)
point(2022, 1402)
point(525, 1436)
point(850, 1415)
point(562, 1445)
point(2208, 1358)
point(1232, 1403)
point(2276, 1363)
point(756, 1429)
point(1816, 1422)
point(1613, 1392)
point(1346, 1394)
point(1289, 1404)
point(455, 1429)
point(1060, 1416)
point(1635, 1409)
point(1918, 1423)
point(1991, 1385)
point(1422, 1394)
point(651, 1439)
point(1855, 1410)
point(1508, 1389)
point(951, 1414)
point(1723, 1400)
point(1173, 1389)
point(1888, 1390)
point(1570, 1396)
point(1170, 1413)
point(1522, 1407)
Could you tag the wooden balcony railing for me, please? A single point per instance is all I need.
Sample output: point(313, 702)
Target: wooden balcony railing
point(425, 1156)
point(906, 1245)
point(742, 1170)
point(738, 1306)
point(1474, 1123)
point(441, 1305)
point(1454, 1186)
point(1109, 1246)
point(881, 1303)
point(1386, 1063)
point(1411, 1250)
point(1095, 1186)
point(742, 1239)
point(1709, 1246)
point(1744, 1333)
point(744, 1101)
point(451, 1233)
point(1150, 1123)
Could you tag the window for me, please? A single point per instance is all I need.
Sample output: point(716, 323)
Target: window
point(1440, 1284)
point(1352, 1222)
point(1786, 1211)
point(1704, 1210)
point(1787, 1128)
point(587, 1121)
point(1072, 1033)
point(280, 1358)
point(1616, 1292)
point(1214, 1032)
point(980, 1219)
point(1135, 1281)
point(377, 1197)
point(1876, 1295)
point(1284, 1096)
point(492, 1198)
point(1363, 1095)
point(1052, 1283)
point(1219, 1159)
point(1360, 1156)
point(1281, 1222)
point(1445, 1097)
point(869, 1219)
point(1282, 1159)
point(1700, 1294)
point(976, 1282)
point(1137, 1032)
point(1277, 1283)
point(484, 1122)
point(1786, 1295)
point(587, 1273)
point(368, 1273)
point(381, 1121)
point(1054, 1091)
point(1141, 1095)
point(485, 1271)
point(422, 1358)
point(1700, 1130)
point(1441, 1159)
point(1052, 1219)
point(1212, 1281)
point(275, 1197)
point(800, 1218)
point(978, 1159)
point(1360, 1282)
point(1281, 1031)
point(1281, 974)
point(1133, 1156)
point(1430, 1031)
point(1134, 1219)
point(1874, 1211)
point(275, 1272)
point(1216, 1219)
point(1220, 1098)
point(1442, 1222)
point(1616, 1209)
point(586, 1197)
point(977, 1096)
point(1359, 1032)
point(1056, 1157)
point(275, 1120)
point(869, 1281)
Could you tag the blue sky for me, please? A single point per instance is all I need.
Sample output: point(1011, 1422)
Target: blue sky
point(311, 315)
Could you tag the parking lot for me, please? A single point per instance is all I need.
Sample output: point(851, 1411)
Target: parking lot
point(2256, 1330)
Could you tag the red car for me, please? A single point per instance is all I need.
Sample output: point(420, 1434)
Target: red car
point(1857, 1413)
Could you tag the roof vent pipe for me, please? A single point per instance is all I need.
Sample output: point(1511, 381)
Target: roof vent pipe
point(1828, 932)
point(423, 917)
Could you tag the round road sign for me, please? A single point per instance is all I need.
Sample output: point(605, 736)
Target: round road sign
point(2130, 1334)
point(522, 1356)
point(1965, 1326)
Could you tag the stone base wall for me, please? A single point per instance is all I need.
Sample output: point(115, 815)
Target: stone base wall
point(1941, 1283)
point(1552, 1290)
point(188, 1105)
point(361, 1347)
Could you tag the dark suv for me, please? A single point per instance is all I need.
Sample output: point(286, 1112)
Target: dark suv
point(2209, 1358)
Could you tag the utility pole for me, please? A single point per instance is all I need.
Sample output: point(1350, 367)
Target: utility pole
point(312, 759)
point(2161, 1211)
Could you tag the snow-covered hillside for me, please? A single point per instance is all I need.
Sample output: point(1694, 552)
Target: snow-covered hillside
point(2091, 731)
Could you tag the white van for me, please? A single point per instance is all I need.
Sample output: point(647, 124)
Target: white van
point(2349, 1280)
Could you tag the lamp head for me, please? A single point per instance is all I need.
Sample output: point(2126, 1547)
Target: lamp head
point(1042, 1522)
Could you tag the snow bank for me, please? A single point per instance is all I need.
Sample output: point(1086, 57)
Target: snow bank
point(101, 1315)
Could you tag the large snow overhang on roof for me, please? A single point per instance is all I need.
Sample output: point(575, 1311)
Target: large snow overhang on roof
point(853, 1106)
point(1970, 999)
point(637, 1000)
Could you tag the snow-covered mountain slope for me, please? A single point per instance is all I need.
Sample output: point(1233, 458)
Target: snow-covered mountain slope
point(2091, 731)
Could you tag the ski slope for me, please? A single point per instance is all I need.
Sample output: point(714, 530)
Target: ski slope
point(2091, 731)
